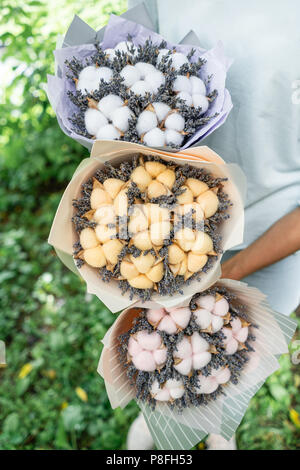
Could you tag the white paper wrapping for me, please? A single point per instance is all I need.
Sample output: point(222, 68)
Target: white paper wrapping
point(62, 235)
point(171, 429)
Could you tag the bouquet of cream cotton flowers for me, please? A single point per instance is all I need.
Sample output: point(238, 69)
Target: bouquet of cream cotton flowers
point(137, 223)
point(133, 85)
point(194, 369)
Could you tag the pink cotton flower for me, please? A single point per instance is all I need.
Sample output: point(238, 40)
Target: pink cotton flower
point(147, 351)
point(210, 384)
point(211, 312)
point(221, 307)
point(170, 390)
point(169, 320)
point(218, 307)
point(206, 301)
point(205, 319)
point(192, 353)
point(234, 335)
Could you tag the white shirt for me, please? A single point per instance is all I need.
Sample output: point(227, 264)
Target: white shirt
point(262, 132)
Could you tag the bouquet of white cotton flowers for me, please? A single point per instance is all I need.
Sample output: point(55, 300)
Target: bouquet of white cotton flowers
point(134, 86)
point(158, 105)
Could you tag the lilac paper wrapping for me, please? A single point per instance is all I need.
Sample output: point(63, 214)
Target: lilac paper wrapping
point(178, 431)
point(117, 30)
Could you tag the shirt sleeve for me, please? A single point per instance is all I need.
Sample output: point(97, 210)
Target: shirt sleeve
point(151, 7)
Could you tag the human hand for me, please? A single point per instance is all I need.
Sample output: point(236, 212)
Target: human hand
point(281, 240)
point(231, 268)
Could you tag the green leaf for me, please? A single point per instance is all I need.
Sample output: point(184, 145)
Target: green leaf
point(279, 392)
point(61, 439)
point(22, 386)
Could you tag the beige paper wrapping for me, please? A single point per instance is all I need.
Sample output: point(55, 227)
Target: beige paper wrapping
point(63, 235)
point(173, 430)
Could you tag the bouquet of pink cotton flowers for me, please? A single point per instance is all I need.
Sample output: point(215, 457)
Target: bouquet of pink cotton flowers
point(194, 369)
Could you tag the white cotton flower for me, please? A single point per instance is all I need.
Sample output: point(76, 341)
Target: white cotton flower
point(186, 97)
point(109, 103)
point(120, 118)
point(145, 68)
point(175, 121)
point(93, 120)
point(200, 100)
point(182, 83)
point(108, 132)
point(162, 53)
point(155, 80)
point(111, 53)
point(141, 88)
point(198, 85)
point(130, 74)
point(88, 73)
point(86, 86)
point(104, 73)
point(89, 78)
point(147, 120)
point(124, 46)
point(179, 59)
point(154, 138)
point(161, 109)
point(173, 137)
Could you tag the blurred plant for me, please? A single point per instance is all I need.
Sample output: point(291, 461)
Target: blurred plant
point(272, 420)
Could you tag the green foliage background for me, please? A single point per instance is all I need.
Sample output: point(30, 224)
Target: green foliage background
point(47, 321)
